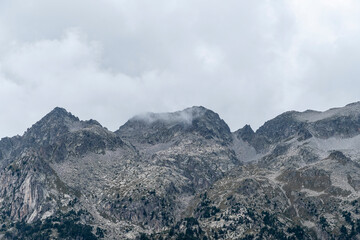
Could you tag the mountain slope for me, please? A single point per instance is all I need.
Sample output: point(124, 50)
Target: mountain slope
point(183, 175)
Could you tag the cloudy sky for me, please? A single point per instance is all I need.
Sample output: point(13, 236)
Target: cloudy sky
point(111, 59)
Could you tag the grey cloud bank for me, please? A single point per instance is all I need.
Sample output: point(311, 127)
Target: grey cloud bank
point(111, 60)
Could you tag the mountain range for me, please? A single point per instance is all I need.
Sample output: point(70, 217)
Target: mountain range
point(183, 175)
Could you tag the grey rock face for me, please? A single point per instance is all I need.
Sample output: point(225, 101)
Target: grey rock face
point(159, 128)
point(189, 148)
point(246, 133)
point(183, 175)
point(281, 127)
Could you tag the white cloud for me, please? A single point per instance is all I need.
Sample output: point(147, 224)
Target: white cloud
point(110, 60)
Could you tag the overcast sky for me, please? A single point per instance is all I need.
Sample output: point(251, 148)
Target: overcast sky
point(109, 60)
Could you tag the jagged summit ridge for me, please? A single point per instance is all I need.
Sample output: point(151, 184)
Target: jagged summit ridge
point(59, 134)
point(160, 127)
point(58, 114)
point(57, 122)
point(341, 122)
point(59, 118)
point(350, 110)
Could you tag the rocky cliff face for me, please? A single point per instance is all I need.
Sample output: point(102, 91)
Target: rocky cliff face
point(183, 175)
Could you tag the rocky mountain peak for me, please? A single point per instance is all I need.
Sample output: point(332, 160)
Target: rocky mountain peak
point(350, 110)
point(58, 116)
point(281, 127)
point(59, 123)
point(246, 133)
point(56, 122)
point(343, 122)
point(209, 124)
point(60, 112)
point(165, 126)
